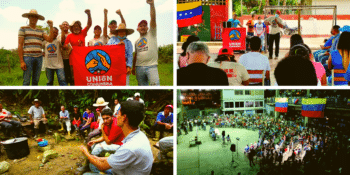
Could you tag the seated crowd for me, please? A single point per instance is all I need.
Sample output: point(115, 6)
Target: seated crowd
point(105, 131)
point(328, 66)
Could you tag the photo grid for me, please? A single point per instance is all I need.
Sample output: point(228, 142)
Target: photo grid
point(243, 92)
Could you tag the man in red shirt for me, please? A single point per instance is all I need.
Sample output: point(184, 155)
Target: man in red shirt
point(110, 141)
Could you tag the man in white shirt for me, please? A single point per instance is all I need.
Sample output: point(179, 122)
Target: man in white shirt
point(274, 36)
point(136, 98)
point(255, 60)
point(37, 114)
point(64, 118)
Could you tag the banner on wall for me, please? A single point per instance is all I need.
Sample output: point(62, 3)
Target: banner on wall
point(281, 105)
point(218, 14)
point(99, 65)
point(189, 14)
point(234, 38)
point(313, 107)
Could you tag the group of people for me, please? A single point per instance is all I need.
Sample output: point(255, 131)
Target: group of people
point(57, 48)
point(298, 67)
point(114, 131)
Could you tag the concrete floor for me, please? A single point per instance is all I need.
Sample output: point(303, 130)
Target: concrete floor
point(213, 155)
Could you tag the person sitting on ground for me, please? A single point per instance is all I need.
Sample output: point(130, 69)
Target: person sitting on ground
point(8, 124)
point(64, 118)
point(197, 72)
point(135, 155)
point(256, 61)
point(136, 98)
point(295, 71)
point(100, 104)
point(111, 140)
point(164, 122)
point(117, 107)
point(236, 73)
point(37, 114)
point(339, 60)
point(76, 119)
point(304, 51)
point(94, 124)
point(183, 56)
point(87, 119)
point(165, 144)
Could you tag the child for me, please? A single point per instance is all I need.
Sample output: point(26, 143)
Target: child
point(260, 28)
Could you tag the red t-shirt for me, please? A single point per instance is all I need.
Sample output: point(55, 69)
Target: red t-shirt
point(77, 40)
point(114, 132)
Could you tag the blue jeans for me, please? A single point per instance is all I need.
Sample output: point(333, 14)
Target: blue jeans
point(127, 79)
point(34, 65)
point(50, 74)
point(262, 38)
point(147, 75)
point(94, 169)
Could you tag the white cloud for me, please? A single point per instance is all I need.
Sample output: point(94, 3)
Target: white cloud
point(13, 14)
point(167, 6)
point(11, 38)
point(67, 5)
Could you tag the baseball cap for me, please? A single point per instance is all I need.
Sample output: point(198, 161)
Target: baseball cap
point(137, 94)
point(97, 27)
point(142, 22)
point(228, 51)
point(169, 106)
point(112, 21)
point(278, 12)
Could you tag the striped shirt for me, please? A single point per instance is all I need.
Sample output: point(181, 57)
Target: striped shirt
point(33, 40)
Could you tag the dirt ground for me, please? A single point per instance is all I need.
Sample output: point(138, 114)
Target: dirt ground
point(69, 157)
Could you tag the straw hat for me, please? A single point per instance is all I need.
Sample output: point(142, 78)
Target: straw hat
point(36, 100)
point(72, 24)
point(123, 27)
point(100, 102)
point(33, 12)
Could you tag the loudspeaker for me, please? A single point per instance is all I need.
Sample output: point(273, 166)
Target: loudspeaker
point(233, 148)
point(229, 25)
point(224, 24)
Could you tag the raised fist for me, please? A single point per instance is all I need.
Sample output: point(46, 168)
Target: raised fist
point(50, 23)
point(119, 12)
point(87, 11)
point(150, 1)
point(106, 11)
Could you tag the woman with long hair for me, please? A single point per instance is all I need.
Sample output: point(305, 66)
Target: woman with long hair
point(339, 60)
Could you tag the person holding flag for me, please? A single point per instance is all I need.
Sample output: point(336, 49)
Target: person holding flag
point(120, 38)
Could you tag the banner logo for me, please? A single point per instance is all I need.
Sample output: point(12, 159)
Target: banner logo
point(51, 48)
point(142, 43)
point(234, 35)
point(97, 62)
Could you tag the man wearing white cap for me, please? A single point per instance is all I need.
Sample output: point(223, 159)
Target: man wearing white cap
point(30, 41)
point(136, 98)
point(37, 114)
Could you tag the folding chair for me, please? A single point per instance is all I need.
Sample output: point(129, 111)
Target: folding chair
point(257, 80)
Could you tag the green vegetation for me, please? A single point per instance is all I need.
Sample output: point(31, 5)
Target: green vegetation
point(12, 75)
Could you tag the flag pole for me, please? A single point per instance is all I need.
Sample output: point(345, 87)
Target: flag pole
point(229, 3)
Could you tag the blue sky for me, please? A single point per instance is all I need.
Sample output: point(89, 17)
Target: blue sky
point(69, 10)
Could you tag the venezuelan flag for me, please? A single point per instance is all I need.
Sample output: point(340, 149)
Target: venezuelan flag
point(281, 104)
point(189, 13)
point(313, 107)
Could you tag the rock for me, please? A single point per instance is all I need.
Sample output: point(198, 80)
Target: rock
point(49, 155)
point(4, 166)
point(46, 148)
